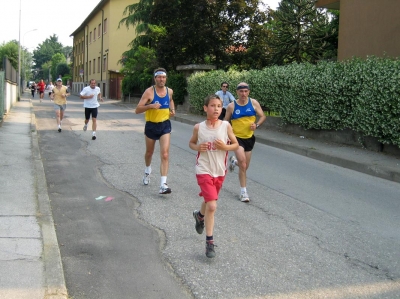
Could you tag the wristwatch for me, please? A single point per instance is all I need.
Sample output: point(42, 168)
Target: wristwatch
point(257, 125)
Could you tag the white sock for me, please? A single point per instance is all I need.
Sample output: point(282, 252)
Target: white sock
point(94, 133)
point(147, 169)
point(163, 180)
point(59, 126)
point(243, 190)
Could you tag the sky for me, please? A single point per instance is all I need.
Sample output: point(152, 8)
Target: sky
point(49, 17)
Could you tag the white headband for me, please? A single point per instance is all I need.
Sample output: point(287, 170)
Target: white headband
point(159, 73)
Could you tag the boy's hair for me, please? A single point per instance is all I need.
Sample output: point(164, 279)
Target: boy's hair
point(211, 97)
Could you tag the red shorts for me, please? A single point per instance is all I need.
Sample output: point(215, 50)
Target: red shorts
point(209, 186)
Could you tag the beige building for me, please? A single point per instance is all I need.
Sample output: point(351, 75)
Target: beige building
point(98, 46)
point(366, 27)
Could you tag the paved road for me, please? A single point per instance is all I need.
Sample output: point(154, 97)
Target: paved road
point(278, 246)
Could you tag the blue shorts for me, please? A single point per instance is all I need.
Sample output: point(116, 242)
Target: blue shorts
point(156, 130)
point(247, 143)
point(60, 107)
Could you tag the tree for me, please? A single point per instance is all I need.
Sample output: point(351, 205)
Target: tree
point(301, 32)
point(55, 61)
point(10, 50)
point(44, 53)
point(62, 69)
point(184, 32)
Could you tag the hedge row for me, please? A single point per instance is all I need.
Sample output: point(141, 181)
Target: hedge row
point(362, 95)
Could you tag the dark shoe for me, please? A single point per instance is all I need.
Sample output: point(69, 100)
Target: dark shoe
point(210, 252)
point(94, 137)
point(59, 130)
point(199, 223)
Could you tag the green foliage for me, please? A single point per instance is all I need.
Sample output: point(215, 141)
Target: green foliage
point(10, 50)
point(177, 82)
point(138, 66)
point(45, 51)
point(361, 95)
point(57, 59)
point(186, 32)
point(201, 84)
point(302, 33)
point(62, 69)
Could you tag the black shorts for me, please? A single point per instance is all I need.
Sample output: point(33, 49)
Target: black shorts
point(247, 143)
point(90, 111)
point(156, 130)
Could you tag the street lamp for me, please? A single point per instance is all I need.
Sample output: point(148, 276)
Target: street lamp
point(23, 41)
point(19, 52)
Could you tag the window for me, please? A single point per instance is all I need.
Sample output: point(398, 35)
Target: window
point(98, 64)
point(104, 63)
point(105, 26)
point(94, 34)
point(94, 66)
point(99, 30)
point(90, 37)
point(90, 67)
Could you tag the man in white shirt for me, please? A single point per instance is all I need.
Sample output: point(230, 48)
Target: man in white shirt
point(90, 95)
point(226, 98)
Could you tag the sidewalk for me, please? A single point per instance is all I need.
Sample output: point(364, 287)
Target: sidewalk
point(30, 262)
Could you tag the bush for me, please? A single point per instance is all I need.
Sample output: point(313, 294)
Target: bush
point(362, 95)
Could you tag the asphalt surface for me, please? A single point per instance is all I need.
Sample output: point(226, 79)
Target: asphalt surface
point(30, 260)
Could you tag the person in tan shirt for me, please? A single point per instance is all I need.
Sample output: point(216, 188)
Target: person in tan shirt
point(59, 95)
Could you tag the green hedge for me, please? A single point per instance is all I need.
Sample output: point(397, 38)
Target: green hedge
point(362, 95)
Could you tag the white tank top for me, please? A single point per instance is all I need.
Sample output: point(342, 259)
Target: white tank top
point(213, 161)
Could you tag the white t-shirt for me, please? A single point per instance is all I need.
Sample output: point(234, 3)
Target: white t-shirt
point(92, 102)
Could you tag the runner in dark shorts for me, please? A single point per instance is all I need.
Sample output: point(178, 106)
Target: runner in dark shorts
point(156, 130)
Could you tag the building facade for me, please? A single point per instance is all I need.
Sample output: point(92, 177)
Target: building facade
point(98, 46)
point(366, 27)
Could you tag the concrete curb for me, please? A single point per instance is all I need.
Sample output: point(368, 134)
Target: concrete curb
point(54, 281)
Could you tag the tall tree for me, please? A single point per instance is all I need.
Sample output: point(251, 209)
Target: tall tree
point(10, 49)
point(301, 32)
point(57, 59)
point(183, 31)
point(45, 51)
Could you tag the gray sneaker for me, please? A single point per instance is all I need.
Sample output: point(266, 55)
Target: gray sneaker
point(210, 252)
point(244, 197)
point(232, 163)
point(164, 189)
point(146, 179)
point(199, 223)
point(85, 128)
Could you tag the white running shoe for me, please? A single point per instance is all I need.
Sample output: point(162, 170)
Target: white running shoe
point(85, 128)
point(244, 197)
point(232, 163)
point(146, 179)
point(164, 189)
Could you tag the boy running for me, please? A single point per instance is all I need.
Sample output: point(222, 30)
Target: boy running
point(212, 138)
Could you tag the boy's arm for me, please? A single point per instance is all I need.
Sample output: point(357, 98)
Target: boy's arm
point(201, 147)
point(232, 145)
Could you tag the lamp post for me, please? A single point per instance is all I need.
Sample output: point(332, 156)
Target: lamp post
point(23, 41)
point(19, 52)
